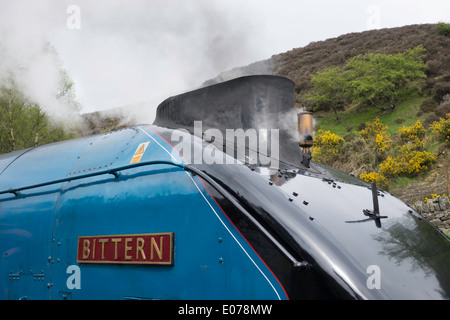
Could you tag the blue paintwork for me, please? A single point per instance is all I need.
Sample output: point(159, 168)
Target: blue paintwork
point(39, 228)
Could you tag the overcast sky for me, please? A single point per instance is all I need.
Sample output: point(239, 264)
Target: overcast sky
point(120, 52)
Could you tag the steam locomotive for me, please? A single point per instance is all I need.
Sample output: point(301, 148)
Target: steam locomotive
point(217, 199)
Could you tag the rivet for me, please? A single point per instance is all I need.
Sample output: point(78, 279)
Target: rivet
point(220, 239)
point(220, 260)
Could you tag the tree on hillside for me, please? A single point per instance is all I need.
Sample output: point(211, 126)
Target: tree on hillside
point(372, 79)
point(329, 90)
point(444, 29)
point(378, 79)
point(23, 124)
point(36, 93)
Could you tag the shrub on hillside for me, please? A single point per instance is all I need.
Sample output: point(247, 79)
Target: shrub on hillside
point(434, 67)
point(440, 90)
point(428, 105)
point(376, 135)
point(443, 109)
point(327, 146)
point(407, 159)
point(443, 29)
point(409, 162)
point(442, 128)
point(432, 118)
point(414, 133)
point(379, 179)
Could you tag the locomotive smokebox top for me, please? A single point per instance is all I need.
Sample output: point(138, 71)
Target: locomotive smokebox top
point(250, 102)
point(239, 103)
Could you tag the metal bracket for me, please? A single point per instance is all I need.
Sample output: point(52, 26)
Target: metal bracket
point(115, 173)
point(302, 266)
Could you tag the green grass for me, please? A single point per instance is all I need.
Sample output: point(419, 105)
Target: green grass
point(405, 114)
point(434, 145)
point(401, 182)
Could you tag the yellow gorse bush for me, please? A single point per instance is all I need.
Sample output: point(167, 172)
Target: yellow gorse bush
point(414, 133)
point(383, 142)
point(442, 128)
point(409, 161)
point(372, 129)
point(379, 179)
point(326, 146)
point(375, 134)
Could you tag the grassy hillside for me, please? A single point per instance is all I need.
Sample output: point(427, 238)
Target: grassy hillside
point(407, 113)
point(352, 119)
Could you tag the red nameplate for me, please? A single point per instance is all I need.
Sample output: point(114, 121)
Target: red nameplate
point(149, 248)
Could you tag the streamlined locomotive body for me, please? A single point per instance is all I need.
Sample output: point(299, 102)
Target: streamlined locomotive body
point(191, 208)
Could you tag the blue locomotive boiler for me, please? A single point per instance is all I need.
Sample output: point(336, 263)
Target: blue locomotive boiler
point(217, 199)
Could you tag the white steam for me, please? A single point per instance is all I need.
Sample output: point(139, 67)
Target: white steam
point(140, 52)
point(29, 61)
point(125, 53)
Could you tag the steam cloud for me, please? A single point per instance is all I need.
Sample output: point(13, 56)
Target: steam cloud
point(135, 52)
point(30, 61)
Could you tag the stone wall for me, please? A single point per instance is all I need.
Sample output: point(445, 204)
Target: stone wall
point(420, 191)
point(437, 211)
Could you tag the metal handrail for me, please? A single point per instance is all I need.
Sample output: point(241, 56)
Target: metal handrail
point(115, 172)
